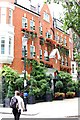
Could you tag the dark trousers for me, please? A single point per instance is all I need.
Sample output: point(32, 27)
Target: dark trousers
point(16, 114)
point(25, 103)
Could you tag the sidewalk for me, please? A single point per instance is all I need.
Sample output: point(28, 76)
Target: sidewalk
point(55, 109)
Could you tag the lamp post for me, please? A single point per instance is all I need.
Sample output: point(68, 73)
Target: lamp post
point(3, 90)
point(25, 38)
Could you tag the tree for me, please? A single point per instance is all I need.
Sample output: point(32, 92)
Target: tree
point(12, 80)
point(39, 81)
point(65, 78)
point(72, 16)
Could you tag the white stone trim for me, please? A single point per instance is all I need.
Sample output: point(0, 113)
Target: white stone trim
point(28, 11)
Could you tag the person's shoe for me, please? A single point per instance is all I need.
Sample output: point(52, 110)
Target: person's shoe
point(25, 110)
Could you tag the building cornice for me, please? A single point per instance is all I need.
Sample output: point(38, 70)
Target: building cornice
point(27, 9)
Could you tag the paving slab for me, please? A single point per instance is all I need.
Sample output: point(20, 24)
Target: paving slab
point(67, 108)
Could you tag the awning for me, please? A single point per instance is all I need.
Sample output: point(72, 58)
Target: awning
point(51, 71)
point(54, 52)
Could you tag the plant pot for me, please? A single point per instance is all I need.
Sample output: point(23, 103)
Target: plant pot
point(31, 99)
point(59, 98)
point(48, 97)
point(78, 94)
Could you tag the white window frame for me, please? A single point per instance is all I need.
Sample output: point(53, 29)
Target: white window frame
point(24, 22)
point(41, 29)
point(60, 39)
point(10, 16)
point(32, 52)
point(47, 35)
point(32, 25)
point(56, 37)
point(40, 53)
point(64, 41)
point(45, 54)
point(24, 43)
point(46, 17)
point(62, 60)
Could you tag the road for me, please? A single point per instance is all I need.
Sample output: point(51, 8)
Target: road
point(67, 108)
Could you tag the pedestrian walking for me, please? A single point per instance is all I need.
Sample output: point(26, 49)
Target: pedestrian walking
point(25, 100)
point(17, 105)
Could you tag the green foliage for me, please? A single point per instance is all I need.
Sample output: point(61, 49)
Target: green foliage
point(72, 16)
point(71, 86)
point(10, 91)
point(39, 80)
point(12, 80)
point(19, 83)
point(65, 78)
point(65, 75)
point(48, 90)
point(59, 85)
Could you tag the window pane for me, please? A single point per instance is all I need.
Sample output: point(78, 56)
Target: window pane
point(32, 51)
point(2, 45)
point(10, 16)
point(31, 24)
point(40, 54)
point(72, 68)
point(46, 17)
point(9, 45)
point(24, 22)
point(64, 41)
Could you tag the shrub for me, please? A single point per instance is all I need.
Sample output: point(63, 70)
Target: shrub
point(59, 85)
point(70, 94)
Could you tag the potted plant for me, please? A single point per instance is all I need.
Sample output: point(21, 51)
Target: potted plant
point(48, 94)
point(70, 94)
point(59, 85)
point(59, 96)
point(31, 97)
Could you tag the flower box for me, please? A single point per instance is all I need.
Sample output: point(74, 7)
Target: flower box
point(59, 96)
point(70, 94)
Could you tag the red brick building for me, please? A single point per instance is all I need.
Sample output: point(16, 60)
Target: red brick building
point(44, 42)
